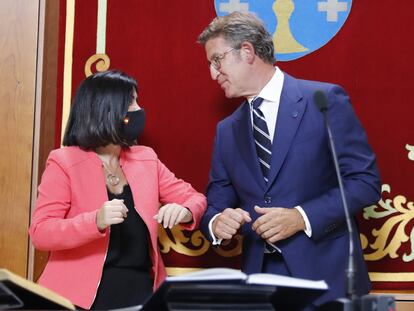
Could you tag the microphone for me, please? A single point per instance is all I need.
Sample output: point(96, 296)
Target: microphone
point(321, 101)
point(366, 302)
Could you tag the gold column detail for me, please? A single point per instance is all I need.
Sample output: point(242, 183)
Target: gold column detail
point(68, 60)
point(100, 58)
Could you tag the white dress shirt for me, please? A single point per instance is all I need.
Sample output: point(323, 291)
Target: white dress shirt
point(269, 107)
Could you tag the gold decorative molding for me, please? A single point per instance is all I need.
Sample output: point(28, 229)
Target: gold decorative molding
point(101, 27)
point(67, 66)
point(101, 62)
point(397, 213)
point(175, 239)
point(391, 276)
point(100, 58)
point(195, 245)
point(172, 271)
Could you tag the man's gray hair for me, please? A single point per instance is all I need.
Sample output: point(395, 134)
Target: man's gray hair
point(237, 28)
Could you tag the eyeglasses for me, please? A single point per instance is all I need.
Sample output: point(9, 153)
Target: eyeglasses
point(215, 62)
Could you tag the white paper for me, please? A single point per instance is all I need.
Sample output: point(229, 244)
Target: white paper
point(223, 274)
point(285, 281)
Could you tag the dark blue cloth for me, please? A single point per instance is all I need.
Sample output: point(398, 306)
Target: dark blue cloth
point(301, 173)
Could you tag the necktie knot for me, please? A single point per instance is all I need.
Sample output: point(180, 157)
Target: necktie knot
point(257, 102)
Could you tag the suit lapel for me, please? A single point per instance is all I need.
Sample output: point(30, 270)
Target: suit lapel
point(291, 110)
point(137, 177)
point(242, 129)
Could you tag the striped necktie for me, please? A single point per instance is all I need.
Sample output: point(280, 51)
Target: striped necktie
point(261, 138)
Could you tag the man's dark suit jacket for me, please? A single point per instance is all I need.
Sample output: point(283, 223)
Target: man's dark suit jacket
point(302, 173)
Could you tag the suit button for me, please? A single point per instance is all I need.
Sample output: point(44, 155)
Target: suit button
point(330, 228)
point(267, 199)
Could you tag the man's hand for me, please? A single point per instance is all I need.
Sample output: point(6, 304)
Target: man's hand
point(172, 214)
point(228, 222)
point(277, 223)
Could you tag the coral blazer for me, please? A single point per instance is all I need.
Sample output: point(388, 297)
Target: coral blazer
point(71, 192)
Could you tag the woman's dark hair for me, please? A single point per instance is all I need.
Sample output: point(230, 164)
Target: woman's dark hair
point(98, 110)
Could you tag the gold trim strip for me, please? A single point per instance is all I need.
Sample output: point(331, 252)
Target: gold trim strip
point(36, 135)
point(67, 67)
point(101, 27)
point(391, 276)
point(171, 271)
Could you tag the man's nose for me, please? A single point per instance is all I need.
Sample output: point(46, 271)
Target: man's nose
point(214, 72)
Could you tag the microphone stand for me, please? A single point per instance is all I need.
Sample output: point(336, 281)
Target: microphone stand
point(350, 272)
point(349, 304)
point(352, 302)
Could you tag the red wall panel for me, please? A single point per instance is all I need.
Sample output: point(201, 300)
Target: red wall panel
point(155, 41)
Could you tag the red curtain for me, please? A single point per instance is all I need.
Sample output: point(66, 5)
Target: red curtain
point(155, 41)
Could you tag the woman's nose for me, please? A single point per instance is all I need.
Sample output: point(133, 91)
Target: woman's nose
point(134, 107)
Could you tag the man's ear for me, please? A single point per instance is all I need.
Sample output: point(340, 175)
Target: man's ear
point(247, 52)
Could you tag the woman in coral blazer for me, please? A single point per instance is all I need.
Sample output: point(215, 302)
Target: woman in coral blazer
point(98, 206)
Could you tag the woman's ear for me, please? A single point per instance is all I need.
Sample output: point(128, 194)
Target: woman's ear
point(247, 52)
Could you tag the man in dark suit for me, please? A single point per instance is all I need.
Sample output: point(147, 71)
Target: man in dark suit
point(272, 175)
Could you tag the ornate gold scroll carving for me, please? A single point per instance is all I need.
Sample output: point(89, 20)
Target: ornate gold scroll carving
point(101, 62)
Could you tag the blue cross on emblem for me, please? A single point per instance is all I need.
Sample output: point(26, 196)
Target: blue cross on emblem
point(298, 27)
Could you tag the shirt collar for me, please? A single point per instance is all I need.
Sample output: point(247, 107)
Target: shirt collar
point(272, 90)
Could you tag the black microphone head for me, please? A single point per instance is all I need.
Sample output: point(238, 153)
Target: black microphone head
point(321, 101)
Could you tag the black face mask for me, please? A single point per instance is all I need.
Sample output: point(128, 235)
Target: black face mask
point(133, 125)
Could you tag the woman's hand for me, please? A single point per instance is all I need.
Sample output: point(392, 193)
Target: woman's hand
point(112, 212)
point(173, 214)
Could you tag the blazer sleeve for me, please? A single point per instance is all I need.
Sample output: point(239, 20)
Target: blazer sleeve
point(174, 190)
point(357, 166)
point(220, 191)
point(50, 228)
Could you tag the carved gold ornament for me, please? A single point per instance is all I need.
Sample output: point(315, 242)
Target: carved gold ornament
point(195, 244)
point(175, 239)
point(101, 62)
point(397, 213)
